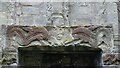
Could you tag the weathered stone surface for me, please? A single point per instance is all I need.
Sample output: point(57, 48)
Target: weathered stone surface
point(111, 59)
point(94, 13)
point(74, 14)
point(9, 58)
point(111, 66)
point(27, 34)
point(30, 10)
point(26, 20)
point(105, 39)
point(95, 36)
point(40, 20)
point(91, 13)
point(3, 18)
point(3, 7)
point(80, 13)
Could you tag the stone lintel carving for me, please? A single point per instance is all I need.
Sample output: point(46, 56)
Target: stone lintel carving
point(27, 34)
point(91, 35)
point(111, 59)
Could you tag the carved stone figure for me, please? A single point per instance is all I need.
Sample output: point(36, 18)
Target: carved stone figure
point(91, 35)
point(110, 59)
point(27, 34)
point(84, 34)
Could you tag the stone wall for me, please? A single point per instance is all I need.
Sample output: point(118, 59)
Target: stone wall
point(60, 14)
point(69, 13)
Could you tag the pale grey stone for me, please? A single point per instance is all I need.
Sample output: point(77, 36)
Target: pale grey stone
point(30, 10)
point(30, 3)
point(57, 7)
point(78, 14)
point(26, 20)
point(0, 56)
point(111, 66)
point(40, 20)
point(3, 6)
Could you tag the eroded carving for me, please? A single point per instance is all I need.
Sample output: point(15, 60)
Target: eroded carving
point(27, 34)
point(110, 59)
point(104, 39)
point(91, 35)
point(84, 34)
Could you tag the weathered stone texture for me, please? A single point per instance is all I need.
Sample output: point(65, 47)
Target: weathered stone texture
point(27, 10)
point(94, 13)
point(94, 36)
point(78, 13)
point(61, 14)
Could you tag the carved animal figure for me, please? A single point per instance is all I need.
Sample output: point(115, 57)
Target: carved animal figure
point(27, 34)
point(84, 34)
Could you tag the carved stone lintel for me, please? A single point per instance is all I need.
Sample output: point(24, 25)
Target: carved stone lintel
point(95, 36)
point(27, 36)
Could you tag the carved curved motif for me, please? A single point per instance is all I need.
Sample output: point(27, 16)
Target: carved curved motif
point(94, 36)
point(102, 34)
point(110, 59)
point(84, 34)
point(27, 35)
point(105, 39)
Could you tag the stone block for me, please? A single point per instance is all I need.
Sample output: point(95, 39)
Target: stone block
point(40, 20)
point(111, 66)
point(30, 3)
point(30, 10)
point(57, 8)
point(3, 7)
point(117, 42)
point(26, 20)
point(0, 54)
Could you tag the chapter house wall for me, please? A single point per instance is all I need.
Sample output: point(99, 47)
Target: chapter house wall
point(64, 14)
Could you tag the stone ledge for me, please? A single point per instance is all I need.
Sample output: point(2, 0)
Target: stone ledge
point(111, 66)
point(77, 48)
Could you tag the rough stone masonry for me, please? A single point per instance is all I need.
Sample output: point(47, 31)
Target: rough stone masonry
point(64, 14)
